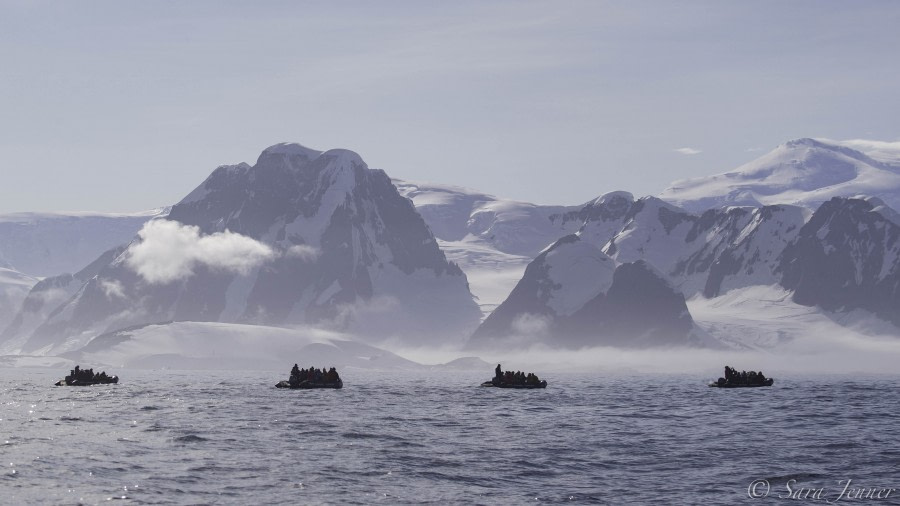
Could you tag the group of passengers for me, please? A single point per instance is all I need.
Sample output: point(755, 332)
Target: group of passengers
point(744, 377)
point(87, 376)
point(313, 375)
point(515, 378)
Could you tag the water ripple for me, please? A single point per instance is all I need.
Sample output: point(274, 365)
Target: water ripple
point(190, 437)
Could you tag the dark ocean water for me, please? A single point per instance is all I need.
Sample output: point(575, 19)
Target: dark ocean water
point(213, 437)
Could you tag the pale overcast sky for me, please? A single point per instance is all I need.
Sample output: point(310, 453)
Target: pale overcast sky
point(127, 105)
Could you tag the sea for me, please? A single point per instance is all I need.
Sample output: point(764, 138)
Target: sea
point(219, 437)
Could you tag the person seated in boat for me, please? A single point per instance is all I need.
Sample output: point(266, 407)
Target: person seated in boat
point(294, 379)
point(498, 373)
point(762, 377)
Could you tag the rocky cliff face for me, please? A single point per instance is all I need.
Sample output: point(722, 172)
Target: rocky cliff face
point(846, 257)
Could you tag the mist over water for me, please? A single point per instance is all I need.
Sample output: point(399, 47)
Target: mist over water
point(182, 437)
point(815, 353)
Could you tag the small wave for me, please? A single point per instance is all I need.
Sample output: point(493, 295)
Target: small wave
point(150, 408)
point(190, 438)
point(363, 435)
point(70, 419)
point(798, 477)
point(839, 446)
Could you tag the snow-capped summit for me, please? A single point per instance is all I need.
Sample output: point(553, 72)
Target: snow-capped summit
point(614, 199)
point(301, 237)
point(290, 149)
point(803, 172)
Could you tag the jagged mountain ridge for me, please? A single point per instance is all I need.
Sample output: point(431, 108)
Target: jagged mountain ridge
point(365, 259)
point(843, 256)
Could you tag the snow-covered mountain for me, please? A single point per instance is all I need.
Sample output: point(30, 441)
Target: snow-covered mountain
point(847, 256)
point(301, 237)
point(490, 238)
point(707, 253)
point(575, 295)
point(47, 244)
point(317, 238)
point(802, 172)
point(843, 257)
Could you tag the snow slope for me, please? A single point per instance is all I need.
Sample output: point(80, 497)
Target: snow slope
point(766, 318)
point(14, 287)
point(212, 345)
point(47, 244)
point(803, 172)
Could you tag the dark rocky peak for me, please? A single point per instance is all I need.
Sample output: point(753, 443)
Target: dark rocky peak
point(288, 154)
point(608, 207)
point(653, 207)
point(287, 182)
point(640, 309)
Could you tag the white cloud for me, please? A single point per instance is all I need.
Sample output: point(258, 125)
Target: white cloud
point(112, 288)
point(303, 252)
point(687, 151)
point(531, 324)
point(169, 251)
point(883, 151)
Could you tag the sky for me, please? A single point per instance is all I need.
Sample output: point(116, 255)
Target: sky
point(122, 106)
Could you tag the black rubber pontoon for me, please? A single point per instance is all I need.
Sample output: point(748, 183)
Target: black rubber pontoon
point(728, 384)
point(112, 380)
point(542, 384)
point(309, 385)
